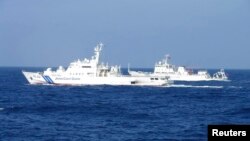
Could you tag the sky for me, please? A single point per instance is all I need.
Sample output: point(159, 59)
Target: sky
point(196, 33)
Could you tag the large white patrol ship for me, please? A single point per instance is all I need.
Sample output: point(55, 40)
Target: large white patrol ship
point(164, 68)
point(91, 72)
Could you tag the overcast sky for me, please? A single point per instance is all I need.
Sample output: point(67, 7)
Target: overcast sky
point(196, 33)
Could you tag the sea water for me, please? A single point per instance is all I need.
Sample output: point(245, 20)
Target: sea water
point(178, 112)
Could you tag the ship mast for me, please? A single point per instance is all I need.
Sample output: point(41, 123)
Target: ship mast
point(98, 49)
point(167, 58)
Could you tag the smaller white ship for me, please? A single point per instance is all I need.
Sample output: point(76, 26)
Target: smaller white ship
point(165, 68)
point(220, 75)
point(91, 72)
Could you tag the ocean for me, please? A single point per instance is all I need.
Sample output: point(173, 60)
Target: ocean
point(113, 113)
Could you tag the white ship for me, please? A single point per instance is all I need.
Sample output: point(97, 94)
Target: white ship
point(164, 68)
point(91, 72)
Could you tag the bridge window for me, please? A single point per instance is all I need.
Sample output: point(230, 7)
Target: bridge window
point(86, 66)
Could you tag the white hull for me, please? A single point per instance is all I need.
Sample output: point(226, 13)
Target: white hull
point(191, 78)
point(177, 77)
point(39, 78)
point(91, 80)
point(147, 81)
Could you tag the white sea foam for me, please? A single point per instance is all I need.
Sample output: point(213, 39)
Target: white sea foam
point(192, 86)
point(235, 87)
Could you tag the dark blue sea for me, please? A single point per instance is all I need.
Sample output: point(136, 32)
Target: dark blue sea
point(113, 113)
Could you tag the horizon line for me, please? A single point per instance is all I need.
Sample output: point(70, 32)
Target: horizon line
point(123, 67)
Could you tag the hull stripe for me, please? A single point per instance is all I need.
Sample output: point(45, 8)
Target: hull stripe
point(45, 79)
point(48, 79)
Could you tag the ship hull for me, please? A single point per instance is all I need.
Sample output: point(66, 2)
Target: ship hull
point(177, 77)
point(39, 78)
point(192, 77)
point(147, 81)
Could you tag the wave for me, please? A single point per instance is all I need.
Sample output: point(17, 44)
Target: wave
point(192, 86)
point(235, 87)
point(1, 109)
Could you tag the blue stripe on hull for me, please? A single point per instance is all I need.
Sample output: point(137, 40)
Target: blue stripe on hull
point(45, 79)
point(48, 79)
